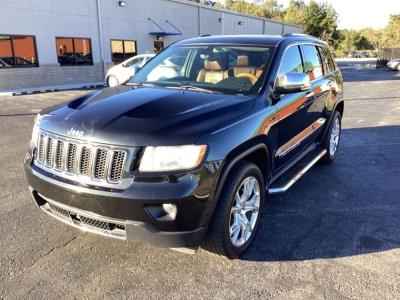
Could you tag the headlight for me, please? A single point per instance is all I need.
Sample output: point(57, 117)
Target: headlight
point(172, 158)
point(35, 130)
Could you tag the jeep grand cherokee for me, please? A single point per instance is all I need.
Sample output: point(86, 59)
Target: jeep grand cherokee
point(188, 156)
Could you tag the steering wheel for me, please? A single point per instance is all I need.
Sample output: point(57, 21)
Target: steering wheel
point(249, 76)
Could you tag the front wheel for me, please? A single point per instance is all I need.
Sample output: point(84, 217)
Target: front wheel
point(332, 139)
point(112, 81)
point(237, 214)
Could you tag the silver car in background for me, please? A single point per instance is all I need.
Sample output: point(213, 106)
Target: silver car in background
point(121, 73)
point(394, 64)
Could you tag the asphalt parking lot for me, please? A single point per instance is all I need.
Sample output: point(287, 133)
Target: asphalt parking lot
point(334, 235)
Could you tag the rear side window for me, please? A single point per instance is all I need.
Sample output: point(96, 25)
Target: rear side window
point(312, 62)
point(329, 65)
point(291, 61)
point(135, 62)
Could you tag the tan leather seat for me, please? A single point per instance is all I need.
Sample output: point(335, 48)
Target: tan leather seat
point(259, 71)
point(242, 66)
point(212, 72)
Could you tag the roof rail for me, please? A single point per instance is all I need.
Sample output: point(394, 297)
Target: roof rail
point(205, 35)
point(297, 34)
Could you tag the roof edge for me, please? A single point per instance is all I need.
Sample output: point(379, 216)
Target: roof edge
point(224, 10)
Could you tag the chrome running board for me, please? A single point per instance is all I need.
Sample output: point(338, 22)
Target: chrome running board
point(297, 176)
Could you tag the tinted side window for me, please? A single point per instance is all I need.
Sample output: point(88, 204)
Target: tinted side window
point(291, 61)
point(135, 62)
point(312, 62)
point(328, 61)
point(74, 51)
point(17, 51)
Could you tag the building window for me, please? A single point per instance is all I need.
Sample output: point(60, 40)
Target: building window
point(17, 51)
point(74, 51)
point(122, 50)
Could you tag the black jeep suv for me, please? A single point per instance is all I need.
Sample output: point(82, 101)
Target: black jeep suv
point(188, 151)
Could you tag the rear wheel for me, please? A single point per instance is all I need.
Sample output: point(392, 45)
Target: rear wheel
point(398, 67)
point(332, 139)
point(237, 214)
point(112, 81)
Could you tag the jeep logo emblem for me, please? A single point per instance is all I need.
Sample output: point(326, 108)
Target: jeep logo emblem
point(75, 133)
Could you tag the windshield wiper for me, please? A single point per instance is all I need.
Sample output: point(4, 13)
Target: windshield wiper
point(193, 88)
point(139, 84)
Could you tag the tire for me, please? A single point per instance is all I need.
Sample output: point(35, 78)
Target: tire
point(112, 81)
point(398, 67)
point(228, 221)
point(332, 137)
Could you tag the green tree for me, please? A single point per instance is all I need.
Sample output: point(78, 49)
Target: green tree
point(295, 12)
point(392, 31)
point(375, 37)
point(352, 40)
point(269, 9)
point(320, 20)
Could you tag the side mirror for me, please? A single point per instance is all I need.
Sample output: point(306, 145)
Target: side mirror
point(292, 83)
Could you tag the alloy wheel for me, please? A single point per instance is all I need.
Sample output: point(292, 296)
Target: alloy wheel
point(112, 81)
point(244, 211)
point(335, 136)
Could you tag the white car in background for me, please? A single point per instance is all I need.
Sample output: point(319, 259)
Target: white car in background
point(122, 72)
point(394, 64)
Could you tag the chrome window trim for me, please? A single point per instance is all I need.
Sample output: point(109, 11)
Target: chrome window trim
point(298, 45)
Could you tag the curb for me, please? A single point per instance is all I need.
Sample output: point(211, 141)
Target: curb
point(51, 90)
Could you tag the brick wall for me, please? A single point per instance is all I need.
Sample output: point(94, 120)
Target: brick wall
point(49, 75)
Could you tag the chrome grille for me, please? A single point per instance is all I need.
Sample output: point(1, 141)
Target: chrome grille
point(41, 149)
point(82, 220)
point(59, 211)
point(59, 156)
point(100, 164)
point(116, 166)
point(86, 159)
point(95, 223)
point(71, 158)
point(49, 152)
point(87, 163)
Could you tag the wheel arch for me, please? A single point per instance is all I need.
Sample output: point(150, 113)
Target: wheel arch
point(339, 106)
point(255, 150)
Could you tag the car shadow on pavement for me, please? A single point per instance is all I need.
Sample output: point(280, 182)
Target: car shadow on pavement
point(350, 207)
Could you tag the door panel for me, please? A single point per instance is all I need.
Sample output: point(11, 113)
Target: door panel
point(301, 115)
point(294, 118)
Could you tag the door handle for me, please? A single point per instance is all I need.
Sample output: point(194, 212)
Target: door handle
point(309, 99)
point(310, 95)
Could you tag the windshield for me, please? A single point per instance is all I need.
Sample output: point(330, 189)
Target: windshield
point(232, 69)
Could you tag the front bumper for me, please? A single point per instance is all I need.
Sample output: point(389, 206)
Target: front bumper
point(122, 213)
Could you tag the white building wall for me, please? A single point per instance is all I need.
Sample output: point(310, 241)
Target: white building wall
point(273, 27)
point(209, 21)
point(47, 19)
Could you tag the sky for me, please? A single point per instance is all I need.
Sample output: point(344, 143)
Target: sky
point(358, 14)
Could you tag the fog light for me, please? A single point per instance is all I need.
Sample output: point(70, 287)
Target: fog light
point(170, 209)
point(164, 212)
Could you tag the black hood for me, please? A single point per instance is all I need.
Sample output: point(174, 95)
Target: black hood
point(145, 115)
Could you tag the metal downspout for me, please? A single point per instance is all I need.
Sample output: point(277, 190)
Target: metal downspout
point(100, 30)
